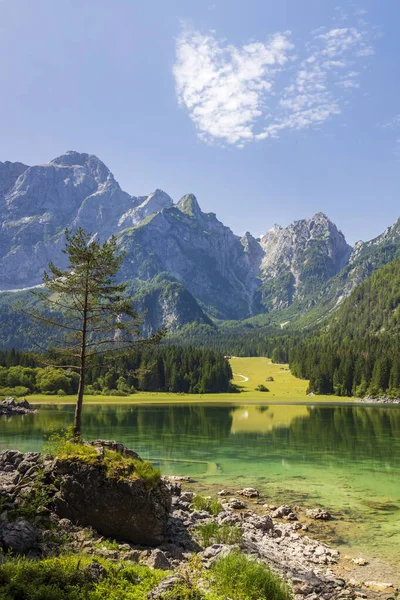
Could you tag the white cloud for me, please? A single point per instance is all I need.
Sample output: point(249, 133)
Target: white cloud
point(232, 92)
point(224, 87)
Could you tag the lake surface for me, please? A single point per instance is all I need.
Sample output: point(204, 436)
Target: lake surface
point(345, 458)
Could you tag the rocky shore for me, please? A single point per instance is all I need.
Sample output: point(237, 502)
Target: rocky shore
point(49, 506)
point(10, 406)
point(382, 400)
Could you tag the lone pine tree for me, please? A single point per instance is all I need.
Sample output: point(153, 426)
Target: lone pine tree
point(87, 309)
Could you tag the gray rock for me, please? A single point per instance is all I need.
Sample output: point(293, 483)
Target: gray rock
point(248, 492)
point(235, 503)
point(120, 509)
point(9, 406)
point(158, 560)
point(166, 585)
point(281, 511)
point(319, 514)
point(20, 537)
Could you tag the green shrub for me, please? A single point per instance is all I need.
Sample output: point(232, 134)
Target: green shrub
point(261, 388)
point(16, 392)
point(218, 534)
point(211, 505)
point(241, 578)
point(108, 392)
point(66, 578)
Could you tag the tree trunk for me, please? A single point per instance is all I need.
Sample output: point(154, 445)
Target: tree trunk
point(79, 402)
point(82, 370)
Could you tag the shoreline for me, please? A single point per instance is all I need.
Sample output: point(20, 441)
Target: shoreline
point(354, 564)
point(199, 528)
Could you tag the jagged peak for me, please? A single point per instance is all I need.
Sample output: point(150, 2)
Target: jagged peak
point(72, 158)
point(188, 204)
point(95, 167)
point(158, 196)
point(320, 216)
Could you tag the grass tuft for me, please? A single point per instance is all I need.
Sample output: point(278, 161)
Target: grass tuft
point(66, 578)
point(238, 577)
point(212, 533)
point(211, 505)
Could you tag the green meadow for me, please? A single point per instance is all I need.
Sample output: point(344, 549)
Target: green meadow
point(248, 374)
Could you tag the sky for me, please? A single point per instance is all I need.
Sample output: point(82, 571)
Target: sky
point(268, 111)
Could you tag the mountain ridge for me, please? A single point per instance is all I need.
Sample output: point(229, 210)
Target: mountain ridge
point(291, 269)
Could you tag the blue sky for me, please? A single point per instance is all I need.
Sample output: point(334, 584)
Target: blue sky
point(267, 110)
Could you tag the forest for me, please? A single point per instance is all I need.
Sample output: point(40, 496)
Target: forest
point(152, 369)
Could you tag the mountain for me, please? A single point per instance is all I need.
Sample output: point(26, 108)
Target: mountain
point(198, 250)
point(181, 265)
point(298, 258)
point(72, 190)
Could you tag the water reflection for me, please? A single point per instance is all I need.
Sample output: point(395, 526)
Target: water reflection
point(318, 432)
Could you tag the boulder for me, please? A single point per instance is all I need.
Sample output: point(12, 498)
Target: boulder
point(19, 537)
point(123, 509)
point(282, 511)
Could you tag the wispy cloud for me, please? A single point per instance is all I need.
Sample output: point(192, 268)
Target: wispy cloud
point(394, 125)
point(223, 86)
point(234, 94)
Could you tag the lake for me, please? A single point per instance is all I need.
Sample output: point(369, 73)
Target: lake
point(345, 458)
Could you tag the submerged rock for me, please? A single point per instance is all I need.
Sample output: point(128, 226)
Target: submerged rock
point(319, 514)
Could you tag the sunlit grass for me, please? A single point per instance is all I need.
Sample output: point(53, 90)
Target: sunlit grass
point(284, 388)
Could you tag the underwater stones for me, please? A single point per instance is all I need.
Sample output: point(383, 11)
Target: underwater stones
point(319, 514)
point(248, 492)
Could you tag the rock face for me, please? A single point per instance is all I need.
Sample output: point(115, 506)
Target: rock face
point(300, 257)
point(197, 250)
point(126, 509)
point(120, 509)
point(73, 190)
point(182, 265)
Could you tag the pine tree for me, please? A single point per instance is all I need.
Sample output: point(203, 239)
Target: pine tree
point(87, 309)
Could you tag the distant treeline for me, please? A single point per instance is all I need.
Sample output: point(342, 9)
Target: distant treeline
point(157, 369)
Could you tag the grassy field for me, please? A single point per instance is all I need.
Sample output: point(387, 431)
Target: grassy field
point(248, 373)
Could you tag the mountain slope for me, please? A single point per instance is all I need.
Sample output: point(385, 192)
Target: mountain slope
point(357, 351)
point(196, 249)
point(294, 276)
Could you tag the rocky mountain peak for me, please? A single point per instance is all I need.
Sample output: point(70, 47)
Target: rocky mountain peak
point(188, 204)
point(92, 165)
point(303, 255)
point(152, 204)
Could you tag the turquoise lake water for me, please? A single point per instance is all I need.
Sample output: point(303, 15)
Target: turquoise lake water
point(345, 458)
